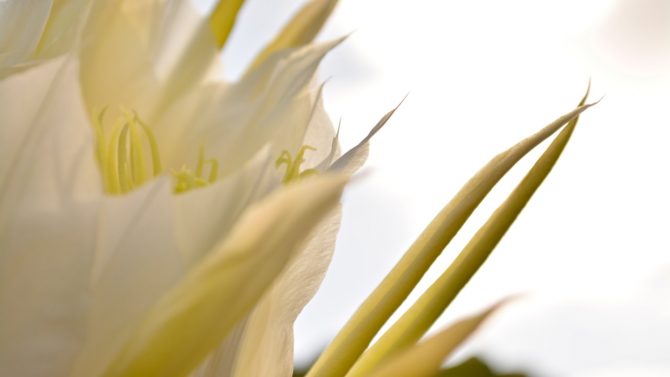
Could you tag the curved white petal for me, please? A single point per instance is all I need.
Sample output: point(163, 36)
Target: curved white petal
point(267, 345)
point(300, 30)
point(148, 239)
point(44, 273)
point(21, 26)
point(49, 190)
point(18, 106)
point(272, 105)
point(263, 343)
point(116, 66)
point(144, 54)
point(191, 319)
point(48, 145)
point(140, 245)
point(137, 260)
point(320, 135)
point(62, 30)
point(354, 158)
point(204, 216)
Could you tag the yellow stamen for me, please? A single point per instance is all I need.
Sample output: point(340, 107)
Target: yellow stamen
point(110, 166)
point(153, 145)
point(125, 180)
point(122, 159)
point(187, 180)
point(293, 172)
point(137, 155)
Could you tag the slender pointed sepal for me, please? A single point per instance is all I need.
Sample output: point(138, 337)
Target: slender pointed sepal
point(362, 327)
point(413, 324)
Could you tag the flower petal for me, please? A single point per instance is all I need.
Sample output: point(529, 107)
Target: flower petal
point(356, 156)
point(49, 194)
point(45, 269)
point(273, 105)
point(262, 345)
point(116, 63)
point(46, 151)
point(144, 54)
point(185, 51)
point(205, 216)
point(62, 28)
point(223, 19)
point(300, 30)
point(21, 25)
point(195, 316)
point(137, 260)
point(18, 107)
point(267, 348)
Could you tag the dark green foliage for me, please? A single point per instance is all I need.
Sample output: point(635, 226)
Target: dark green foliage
point(472, 367)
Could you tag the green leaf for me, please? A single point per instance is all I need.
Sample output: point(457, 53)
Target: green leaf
point(362, 327)
point(474, 367)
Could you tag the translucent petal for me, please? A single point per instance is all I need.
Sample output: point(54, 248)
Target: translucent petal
point(196, 315)
point(273, 105)
point(49, 192)
point(205, 216)
point(21, 26)
point(300, 30)
point(262, 345)
point(144, 54)
point(354, 158)
point(46, 151)
point(45, 266)
point(61, 32)
point(137, 260)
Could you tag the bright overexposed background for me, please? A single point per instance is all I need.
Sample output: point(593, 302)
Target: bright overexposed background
point(591, 252)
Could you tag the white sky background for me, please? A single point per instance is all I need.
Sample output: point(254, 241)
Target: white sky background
point(591, 250)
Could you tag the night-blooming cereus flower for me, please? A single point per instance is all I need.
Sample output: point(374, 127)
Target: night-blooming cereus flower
point(154, 219)
point(158, 221)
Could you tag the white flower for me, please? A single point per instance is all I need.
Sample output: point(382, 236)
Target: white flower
point(157, 221)
point(107, 247)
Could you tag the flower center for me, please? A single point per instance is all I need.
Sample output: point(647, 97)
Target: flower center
point(128, 157)
point(121, 153)
point(187, 180)
point(123, 160)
